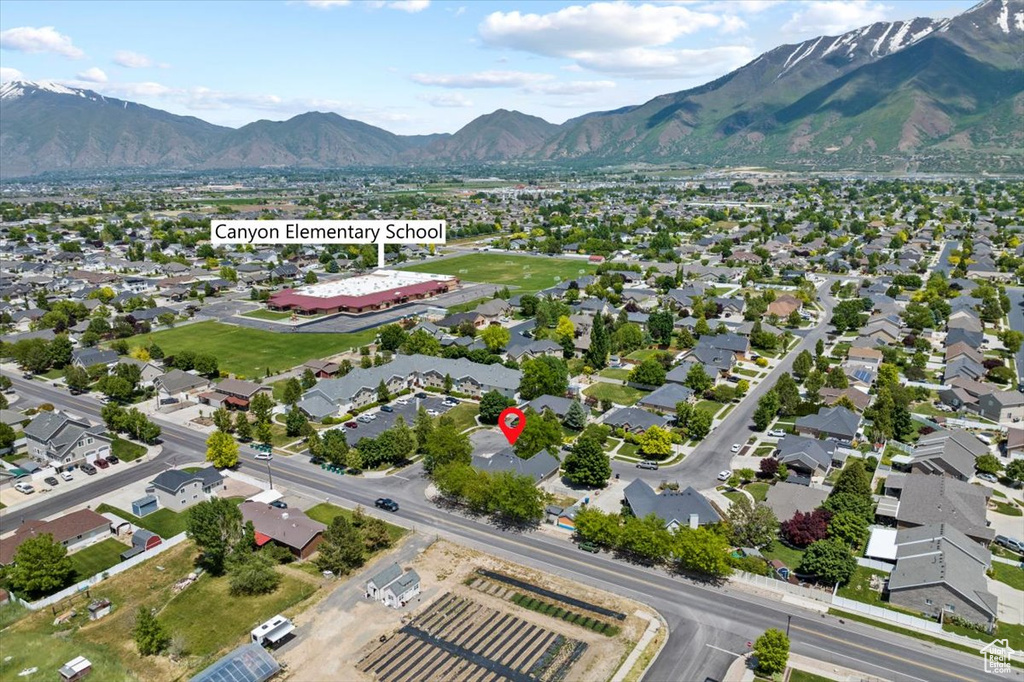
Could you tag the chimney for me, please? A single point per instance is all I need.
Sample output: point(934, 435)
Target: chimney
point(694, 519)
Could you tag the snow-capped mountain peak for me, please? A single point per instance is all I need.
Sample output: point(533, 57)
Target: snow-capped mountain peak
point(16, 89)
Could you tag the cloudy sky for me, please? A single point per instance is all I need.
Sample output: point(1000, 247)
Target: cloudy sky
point(410, 66)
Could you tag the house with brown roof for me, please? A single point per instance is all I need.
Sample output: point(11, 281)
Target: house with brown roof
point(289, 528)
point(784, 305)
point(233, 393)
point(74, 531)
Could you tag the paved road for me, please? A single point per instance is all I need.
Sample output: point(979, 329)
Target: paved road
point(1016, 316)
point(943, 265)
point(703, 620)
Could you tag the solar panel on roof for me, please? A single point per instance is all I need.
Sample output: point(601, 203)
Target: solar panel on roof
point(862, 375)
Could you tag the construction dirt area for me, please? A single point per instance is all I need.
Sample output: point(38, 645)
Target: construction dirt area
point(477, 618)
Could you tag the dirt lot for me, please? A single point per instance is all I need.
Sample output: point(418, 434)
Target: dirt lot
point(340, 633)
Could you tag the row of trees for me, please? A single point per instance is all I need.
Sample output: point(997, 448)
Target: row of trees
point(131, 422)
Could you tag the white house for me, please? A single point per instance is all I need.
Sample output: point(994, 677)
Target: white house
point(393, 587)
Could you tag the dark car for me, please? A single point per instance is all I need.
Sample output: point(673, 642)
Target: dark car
point(88, 469)
point(112, 459)
point(387, 504)
point(28, 375)
point(352, 425)
point(589, 547)
point(421, 395)
point(101, 463)
point(51, 481)
point(316, 461)
point(279, 504)
point(386, 408)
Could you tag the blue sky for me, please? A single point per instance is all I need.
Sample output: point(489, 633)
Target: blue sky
point(410, 66)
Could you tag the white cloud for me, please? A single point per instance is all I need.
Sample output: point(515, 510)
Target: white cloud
point(654, 64)
point(132, 60)
point(834, 17)
point(411, 6)
point(131, 90)
point(327, 4)
point(42, 39)
point(450, 100)
point(570, 87)
point(10, 74)
point(481, 79)
point(741, 6)
point(598, 26)
point(93, 75)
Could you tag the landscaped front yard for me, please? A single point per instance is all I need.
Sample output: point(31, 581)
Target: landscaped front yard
point(859, 587)
point(1011, 575)
point(617, 393)
point(125, 450)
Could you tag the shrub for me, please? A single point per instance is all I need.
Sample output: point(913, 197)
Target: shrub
point(559, 612)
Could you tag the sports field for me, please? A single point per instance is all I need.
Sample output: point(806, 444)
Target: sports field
point(249, 352)
point(526, 273)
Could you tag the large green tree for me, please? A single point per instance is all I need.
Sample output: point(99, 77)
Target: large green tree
point(752, 525)
point(341, 549)
point(772, 652)
point(445, 445)
point(587, 464)
point(222, 450)
point(600, 344)
point(830, 561)
point(41, 566)
point(542, 431)
point(544, 376)
point(492, 404)
point(150, 636)
point(215, 525)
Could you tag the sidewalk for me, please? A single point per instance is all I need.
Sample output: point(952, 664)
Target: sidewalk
point(740, 671)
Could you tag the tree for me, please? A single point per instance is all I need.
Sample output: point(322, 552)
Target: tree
point(830, 561)
point(742, 386)
point(445, 445)
point(383, 394)
point(1015, 470)
point(115, 388)
point(836, 378)
point(697, 379)
point(222, 450)
point(587, 464)
point(656, 442)
point(575, 417)
point(772, 652)
point(341, 549)
point(767, 408)
point(76, 378)
point(421, 342)
point(448, 384)
point(987, 464)
point(308, 379)
point(261, 406)
point(545, 375)
point(699, 425)
point(803, 364)
point(495, 337)
point(492, 404)
point(542, 431)
point(206, 365)
point(650, 372)
point(701, 550)
point(849, 528)
point(253, 575)
point(60, 351)
point(752, 525)
point(292, 392)
point(629, 337)
point(853, 479)
point(597, 354)
point(565, 329)
point(594, 525)
point(295, 422)
point(768, 468)
point(1012, 340)
point(806, 528)
point(215, 525)
point(150, 636)
point(264, 434)
point(335, 448)
point(41, 566)
point(514, 498)
point(789, 394)
point(7, 434)
point(423, 426)
point(222, 420)
point(243, 428)
point(660, 325)
point(392, 336)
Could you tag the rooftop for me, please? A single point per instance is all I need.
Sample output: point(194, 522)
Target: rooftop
point(373, 283)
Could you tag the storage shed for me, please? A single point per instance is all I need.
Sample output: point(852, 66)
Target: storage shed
point(75, 669)
point(145, 505)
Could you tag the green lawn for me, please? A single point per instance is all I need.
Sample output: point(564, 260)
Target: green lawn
point(250, 352)
point(325, 513)
point(97, 558)
point(615, 373)
point(764, 450)
point(804, 676)
point(467, 306)
point(529, 274)
point(464, 415)
point(710, 406)
point(163, 522)
point(746, 372)
point(617, 393)
point(628, 450)
point(734, 495)
point(787, 555)
point(1011, 575)
point(1013, 633)
point(263, 314)
point(643, 354)
point(859, 587)
point(1008, 509)
point(758, 491)
point(125, 450)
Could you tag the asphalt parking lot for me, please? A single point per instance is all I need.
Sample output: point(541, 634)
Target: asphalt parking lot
point(385, 420)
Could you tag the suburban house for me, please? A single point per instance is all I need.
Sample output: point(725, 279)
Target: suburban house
point(288, 528)
point(808, 456)
point(178, 385)
point(177, 489)
point(939, 570)
point(556, 405)
point(393, 586)
point(674, 507)
point(784, 305)
point(947, 453)
point(233, 394)
point(1004, 407)
point(56, 439)
point(90, 357)
point(322, 369)
point(1014, 446)
point(148, 372)
point(925, 500)
point(74, 531)
point(837, 423)
point(359, 387)
point(786, 499)
point(665, 398)
point(540, 467)
point(634, 420)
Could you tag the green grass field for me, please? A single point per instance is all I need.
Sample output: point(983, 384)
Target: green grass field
point(97, 558)
point(804, 676)
point(125, 450)
point(325, 513)
point(787, 555)
point(263, 314)
point(526, 273)
point(163, 522)
point(464, 415)
point(615, 373)
point(758, 491)
point(1011, 575)
point(617, 393)
point(250, 352)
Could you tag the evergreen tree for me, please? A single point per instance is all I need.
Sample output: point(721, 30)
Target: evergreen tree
point(150, 636)
point(575, 417)
point(597, 353)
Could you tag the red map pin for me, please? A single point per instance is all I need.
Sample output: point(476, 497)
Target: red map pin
point(512, 432)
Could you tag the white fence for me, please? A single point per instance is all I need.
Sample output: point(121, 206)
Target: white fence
point(912, 622)
point(113, 570)
point(771, 583)
point(969, 424)
point(874, 564)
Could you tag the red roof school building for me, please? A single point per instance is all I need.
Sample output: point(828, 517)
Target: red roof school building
point(376, 291)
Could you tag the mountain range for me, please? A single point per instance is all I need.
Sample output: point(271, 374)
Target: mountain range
point(908, 95)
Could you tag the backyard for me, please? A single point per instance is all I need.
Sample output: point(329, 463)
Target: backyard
point(97, 558)
point(859, 588)
point(617, 393)
point(251, 352)
point(163, 522)
point(527, 273)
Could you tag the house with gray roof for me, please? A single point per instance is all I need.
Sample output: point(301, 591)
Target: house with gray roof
point(941, 572)
point(177, 489)
point(634, 419)
point(393, 586)
point(786, 499)
point(674, 507)
point(179, 385)
point(540, 467)
point(557, 405)
point(1005, 407)
point(925, 500)
point(90, 357)
point(54, 438)
point(947, 453)
point(808, 456)
point(837, 423)
point(666, 397)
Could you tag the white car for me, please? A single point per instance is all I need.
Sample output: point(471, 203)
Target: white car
point(66, 475)
point(777, 433)
point(724, 475)
point(263, 455)
point(433, 413)
point(24, 488)
point(735, 448)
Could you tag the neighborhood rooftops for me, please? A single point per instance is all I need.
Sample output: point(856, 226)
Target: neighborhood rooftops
point(174, 480)
point(927, 499)
point(672, 507)
point(62, 529)
point(539, 467)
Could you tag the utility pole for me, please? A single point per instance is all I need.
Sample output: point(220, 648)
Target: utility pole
point(270, 475)
point(789, 620)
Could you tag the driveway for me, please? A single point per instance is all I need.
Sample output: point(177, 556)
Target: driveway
point(1010, 608)
point(487, 442)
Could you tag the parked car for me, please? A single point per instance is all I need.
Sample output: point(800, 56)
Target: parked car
point(51, 481)
point(421, 395)
point(101, 463)
point(386, 408)
point(351, 425)
point(402, 401)
point(614, 361)
point(261, 455)
point(433, 413)
point(735, 448)
point(733, 379)
point(112, 459)
point(316, 461)
point(364, 418)
point(24, 488)
point(988, 477)
point(777, 433)
point(647, 464)
point(724, 475)
point(589, 547)
point(386, 503)
point(279, 504)
point(1010, 543)
point(89, 469)
point(66, 475)
point(27, 375)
